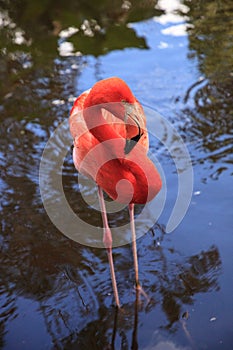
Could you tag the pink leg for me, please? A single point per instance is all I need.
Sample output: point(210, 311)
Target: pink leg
point(134, 245)
point(107, 240)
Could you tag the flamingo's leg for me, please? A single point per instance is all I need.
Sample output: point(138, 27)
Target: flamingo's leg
point(107, 240)
point(134, 247)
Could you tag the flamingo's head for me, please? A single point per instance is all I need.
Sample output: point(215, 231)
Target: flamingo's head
point(114, 95)
point(109, 90)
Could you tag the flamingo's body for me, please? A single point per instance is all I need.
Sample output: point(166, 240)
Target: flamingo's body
point(108, 126)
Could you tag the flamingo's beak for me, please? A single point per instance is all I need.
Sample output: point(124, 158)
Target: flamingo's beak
point(133, 116)
point(134, 120)
point(130, 143)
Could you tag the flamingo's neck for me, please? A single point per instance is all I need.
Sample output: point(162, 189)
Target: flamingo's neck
point(110, 94)
point(98, 125)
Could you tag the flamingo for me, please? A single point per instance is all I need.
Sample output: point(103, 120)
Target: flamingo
point(109, 119)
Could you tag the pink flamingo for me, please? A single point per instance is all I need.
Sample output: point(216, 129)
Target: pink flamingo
point(110, 117)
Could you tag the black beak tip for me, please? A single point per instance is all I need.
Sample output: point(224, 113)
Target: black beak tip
point(130, 143)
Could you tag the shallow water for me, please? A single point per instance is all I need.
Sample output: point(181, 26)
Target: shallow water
point(57, 293)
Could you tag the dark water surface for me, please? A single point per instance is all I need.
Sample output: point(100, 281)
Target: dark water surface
point(177, 58)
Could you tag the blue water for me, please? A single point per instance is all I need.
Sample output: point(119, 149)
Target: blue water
point(56, 293)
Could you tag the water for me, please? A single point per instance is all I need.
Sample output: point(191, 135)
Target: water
point(57, 293)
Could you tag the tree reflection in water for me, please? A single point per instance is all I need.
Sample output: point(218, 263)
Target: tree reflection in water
point(208, 102)
point(65, 279)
